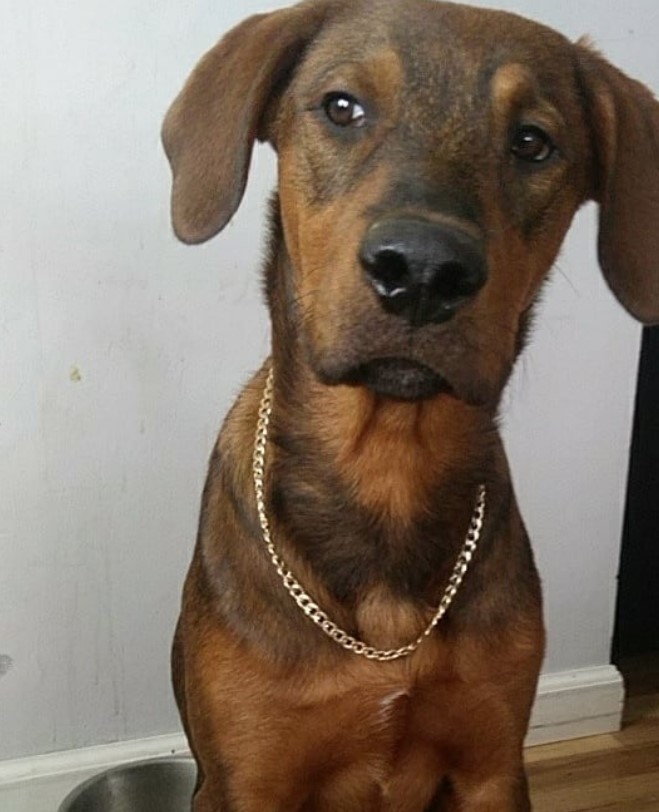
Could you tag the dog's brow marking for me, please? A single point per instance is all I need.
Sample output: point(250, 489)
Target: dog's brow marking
point(514, 89)
point(512, 83)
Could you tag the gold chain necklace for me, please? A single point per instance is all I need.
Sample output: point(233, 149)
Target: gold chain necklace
point(305, 601)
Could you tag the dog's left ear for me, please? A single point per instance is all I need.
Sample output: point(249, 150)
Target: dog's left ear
point(624, 121)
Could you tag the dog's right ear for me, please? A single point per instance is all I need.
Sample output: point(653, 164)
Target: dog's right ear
point(210, 128)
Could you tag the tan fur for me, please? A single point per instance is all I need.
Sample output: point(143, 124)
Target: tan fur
point(419, 441)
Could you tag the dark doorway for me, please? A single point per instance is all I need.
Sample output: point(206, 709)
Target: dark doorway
point(637, 615)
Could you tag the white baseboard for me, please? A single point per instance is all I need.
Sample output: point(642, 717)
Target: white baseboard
point(92, 759)
point(575, 704)
point(569, 705)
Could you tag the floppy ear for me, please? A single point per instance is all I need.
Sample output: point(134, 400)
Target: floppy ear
point(210, 128)
point(625, 127)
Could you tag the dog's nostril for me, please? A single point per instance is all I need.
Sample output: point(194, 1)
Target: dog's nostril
point(453, 282)
point(389, 273)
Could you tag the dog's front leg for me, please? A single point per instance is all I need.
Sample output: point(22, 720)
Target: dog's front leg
point(206, 800)
point(488, 794)
point(211, 798)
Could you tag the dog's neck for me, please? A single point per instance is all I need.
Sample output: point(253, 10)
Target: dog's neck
point(350, 466)
point(394, 456)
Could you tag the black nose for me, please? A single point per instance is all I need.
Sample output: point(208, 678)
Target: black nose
point(422, 271)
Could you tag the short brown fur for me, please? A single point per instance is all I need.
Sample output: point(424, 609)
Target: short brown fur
point(370, 493)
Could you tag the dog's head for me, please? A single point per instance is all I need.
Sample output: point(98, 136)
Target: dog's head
point(431, 158)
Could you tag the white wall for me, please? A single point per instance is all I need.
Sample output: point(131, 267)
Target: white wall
point(120, 350)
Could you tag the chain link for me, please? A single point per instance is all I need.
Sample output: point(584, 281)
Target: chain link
point(305, 602)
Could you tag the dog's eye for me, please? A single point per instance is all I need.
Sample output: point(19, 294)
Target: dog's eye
point(532, 144)
point(343, 110)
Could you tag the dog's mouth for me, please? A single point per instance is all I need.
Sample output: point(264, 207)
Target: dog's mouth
point(399, 378)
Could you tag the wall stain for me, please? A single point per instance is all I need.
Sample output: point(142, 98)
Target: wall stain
point(6, 664)
point(75, 375)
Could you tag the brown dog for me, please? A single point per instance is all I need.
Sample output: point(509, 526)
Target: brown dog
point(431, 158)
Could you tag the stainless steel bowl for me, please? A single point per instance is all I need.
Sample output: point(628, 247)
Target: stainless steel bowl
point(159, 785)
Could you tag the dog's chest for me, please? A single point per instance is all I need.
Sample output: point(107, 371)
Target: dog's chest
point(389, 754)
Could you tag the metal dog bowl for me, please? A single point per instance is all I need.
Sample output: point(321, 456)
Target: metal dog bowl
point(159, 785)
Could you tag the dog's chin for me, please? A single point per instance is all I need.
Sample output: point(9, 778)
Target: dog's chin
point(398, 378)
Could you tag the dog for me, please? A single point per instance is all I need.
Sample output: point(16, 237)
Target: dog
point(361, 625)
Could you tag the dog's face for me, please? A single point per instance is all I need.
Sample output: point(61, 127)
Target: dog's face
point(431, 158)
point(422, 131)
